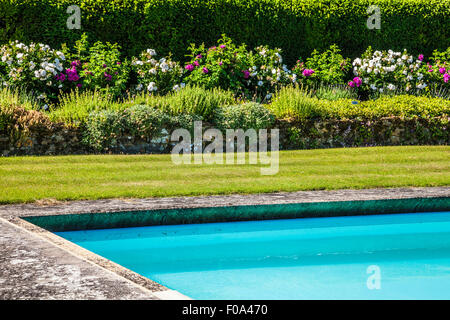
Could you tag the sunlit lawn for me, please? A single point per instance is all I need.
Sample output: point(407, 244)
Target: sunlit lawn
point(25, 179)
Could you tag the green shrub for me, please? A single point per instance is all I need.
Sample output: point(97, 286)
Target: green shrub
point(330, 67)
point(104, 129)
point(296, 26)
point(75, 106)
point(334, 92)
point(194, 100)
point(243, 116)
point(296, 102)
point(220, 66)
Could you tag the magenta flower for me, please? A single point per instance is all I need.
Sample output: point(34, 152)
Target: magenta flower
point(104, 66)
point(75, 64)
point(421, 57)
point(199, 56)
point(308, 72)
point(441, 70)
point(79, 85)
point(446, 77)
point(246, 74)
point(223, 46)
point(72, 74)
point(196, 63)
point(107, 76)
point(357, 81)
point(351, 84)
point(118, 63)
point(189, 67)
point(220, 63)
point(61, 77)
point(205, 70)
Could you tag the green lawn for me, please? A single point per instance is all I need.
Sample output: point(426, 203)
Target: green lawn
point(26, 179)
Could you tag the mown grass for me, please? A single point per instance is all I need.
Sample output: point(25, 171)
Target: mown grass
point(26, 179)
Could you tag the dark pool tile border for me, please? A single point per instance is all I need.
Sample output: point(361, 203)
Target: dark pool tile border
point(124, 219)
point(146, 204)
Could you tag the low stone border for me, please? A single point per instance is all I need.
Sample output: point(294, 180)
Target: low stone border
point(15, 213)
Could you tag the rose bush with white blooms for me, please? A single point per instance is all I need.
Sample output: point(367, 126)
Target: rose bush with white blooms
point(33, 67)
point(266, 73)
point(388, 71)
point(157, 75)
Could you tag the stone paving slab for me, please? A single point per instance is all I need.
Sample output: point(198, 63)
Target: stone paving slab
point(36, 264)
point(32, 268)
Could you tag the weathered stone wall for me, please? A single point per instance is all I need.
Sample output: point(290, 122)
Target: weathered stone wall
point(388, 131)
point(33, 134)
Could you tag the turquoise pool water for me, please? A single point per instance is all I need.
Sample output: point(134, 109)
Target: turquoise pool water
point(397, 256)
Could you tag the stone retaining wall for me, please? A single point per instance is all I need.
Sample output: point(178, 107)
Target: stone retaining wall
point(32, 133)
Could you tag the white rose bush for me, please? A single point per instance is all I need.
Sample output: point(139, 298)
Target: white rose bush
point(388, 71)
point(156, 75)
point(34, 68)
point(267, 72)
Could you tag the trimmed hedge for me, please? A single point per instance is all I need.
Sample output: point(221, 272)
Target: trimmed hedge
point(296, 26)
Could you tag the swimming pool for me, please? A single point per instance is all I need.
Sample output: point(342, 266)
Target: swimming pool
point(394, 256)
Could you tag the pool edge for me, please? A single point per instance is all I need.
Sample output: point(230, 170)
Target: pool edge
point(153, 288)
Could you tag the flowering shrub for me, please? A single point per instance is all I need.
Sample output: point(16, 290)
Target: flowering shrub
point(251, 74)
point(154, 75)
point(388, 71)
point(267, 72)
point(325, 68)
point(103, 70)
point(222, 66)
point(437, 71)
point(33, 67)
point(96, 68)
point(303, 75)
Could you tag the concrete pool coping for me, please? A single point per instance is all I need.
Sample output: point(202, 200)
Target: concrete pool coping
point(36, 249)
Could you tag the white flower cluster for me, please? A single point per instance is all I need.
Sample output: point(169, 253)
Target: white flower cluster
point(268, 70)
point(388, 70)
point(156, 74)
point(34, 66)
